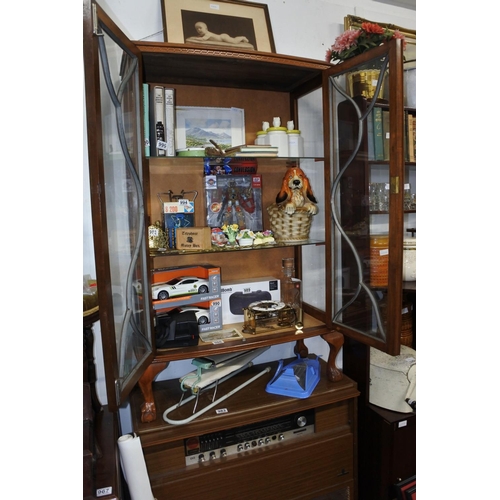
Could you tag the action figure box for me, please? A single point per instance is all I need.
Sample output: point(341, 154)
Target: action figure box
point(234, 199)
point(237, 294)
point(184, 285)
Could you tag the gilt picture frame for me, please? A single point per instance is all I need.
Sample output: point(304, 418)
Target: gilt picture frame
point(229, 24)
point(355, 22)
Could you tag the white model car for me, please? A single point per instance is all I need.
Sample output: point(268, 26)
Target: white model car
point(202, 314)
point(184, 285)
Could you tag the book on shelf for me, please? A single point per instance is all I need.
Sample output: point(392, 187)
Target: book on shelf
point(369, 137)
point(412, 137)
point(386, 131)
point(378, 133)
point(157, 121)
point(170, 121)
point(145, 103)
point(253, 150)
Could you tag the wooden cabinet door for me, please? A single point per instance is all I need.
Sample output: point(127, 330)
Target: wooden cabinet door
point(114, 112)
point(368, 240)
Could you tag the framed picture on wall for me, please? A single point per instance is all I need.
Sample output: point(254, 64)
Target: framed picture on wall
point(216, 24)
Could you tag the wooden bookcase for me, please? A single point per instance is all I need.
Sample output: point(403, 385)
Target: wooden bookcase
point(264, 85)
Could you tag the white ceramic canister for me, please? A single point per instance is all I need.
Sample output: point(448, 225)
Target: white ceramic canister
point(295, 143)
point(410, 259)
point(277, 136)
point(261, 138)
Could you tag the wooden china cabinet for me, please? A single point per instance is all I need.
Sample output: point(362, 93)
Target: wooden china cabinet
point(124, 187)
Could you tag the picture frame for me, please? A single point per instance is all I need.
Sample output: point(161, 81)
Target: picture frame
point(355, 22)
point(228, 23)
point(196, 125)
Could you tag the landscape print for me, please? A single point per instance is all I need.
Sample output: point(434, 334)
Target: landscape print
point(196, 126)
point(199, 132)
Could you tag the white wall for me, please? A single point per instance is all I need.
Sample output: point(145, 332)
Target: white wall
point(304, 28)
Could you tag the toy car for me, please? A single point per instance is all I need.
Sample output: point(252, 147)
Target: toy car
point(202, 314)
point(184, 285)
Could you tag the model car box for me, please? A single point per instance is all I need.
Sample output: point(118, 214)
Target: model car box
point(208, 314)
point(184, 285)
point(237, 294)
point(193, 238)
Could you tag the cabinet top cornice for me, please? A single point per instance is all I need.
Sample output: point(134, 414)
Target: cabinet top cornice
point(185, 64)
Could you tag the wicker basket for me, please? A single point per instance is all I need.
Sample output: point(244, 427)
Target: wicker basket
point(289, 228)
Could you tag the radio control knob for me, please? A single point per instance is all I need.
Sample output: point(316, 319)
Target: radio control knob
point(281, 437)
point(240, 447)
point(223, 452)
point(268, 440)
point(261, 442)
point(301, 421)
point(247, 445)
point(201, 458)
point(212, 455)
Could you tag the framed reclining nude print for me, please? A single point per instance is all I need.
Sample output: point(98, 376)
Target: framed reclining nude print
point(218, 24)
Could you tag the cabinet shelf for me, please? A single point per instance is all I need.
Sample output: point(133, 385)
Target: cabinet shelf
point(186, 159)
point(164, 253)
point(312, 328)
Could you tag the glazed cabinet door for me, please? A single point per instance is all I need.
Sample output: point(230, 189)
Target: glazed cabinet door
point(365, 139)
point(113, 101)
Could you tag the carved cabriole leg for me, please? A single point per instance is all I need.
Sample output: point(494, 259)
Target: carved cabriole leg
point(336, 340)
point(300, 349)
point(148, 408)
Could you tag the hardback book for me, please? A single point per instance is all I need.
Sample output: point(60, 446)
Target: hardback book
point(386, 133)
point(145, 103)
point(170, 121)
point(157, 123)
point(411, 143)
point(378, 133)
point(252, 148)
point(369, 137)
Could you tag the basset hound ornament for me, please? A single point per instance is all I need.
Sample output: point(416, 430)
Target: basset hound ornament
point(296, 192)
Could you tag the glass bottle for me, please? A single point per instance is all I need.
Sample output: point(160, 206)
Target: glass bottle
point(291, 289)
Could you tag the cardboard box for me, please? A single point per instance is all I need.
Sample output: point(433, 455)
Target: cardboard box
point(237, 294)
point(209, 314)
point(193, 238)
point(178, 294)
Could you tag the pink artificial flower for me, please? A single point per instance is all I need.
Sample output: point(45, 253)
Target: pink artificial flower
point(345, 41)
point(398, 34)
point(372, 28)
point(329, 55)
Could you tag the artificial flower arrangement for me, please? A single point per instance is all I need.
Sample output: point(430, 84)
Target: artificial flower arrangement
point(230, 230)
point(245, 238)
point(354, 42)
point(264, 238)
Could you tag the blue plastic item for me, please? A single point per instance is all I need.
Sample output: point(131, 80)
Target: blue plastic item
point(297, 379)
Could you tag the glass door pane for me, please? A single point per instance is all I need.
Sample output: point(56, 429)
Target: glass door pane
point(123, 217)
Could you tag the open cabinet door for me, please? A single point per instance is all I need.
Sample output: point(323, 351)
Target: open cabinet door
point(113, 93)
point(368, 165)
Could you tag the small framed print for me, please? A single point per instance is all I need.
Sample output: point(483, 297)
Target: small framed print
point(232, 24)
point(195, 126)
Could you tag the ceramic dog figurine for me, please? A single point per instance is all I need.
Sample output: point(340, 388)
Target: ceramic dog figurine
point(296, 192)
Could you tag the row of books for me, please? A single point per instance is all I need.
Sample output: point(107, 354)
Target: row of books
point(378, 134)
point(159, 120)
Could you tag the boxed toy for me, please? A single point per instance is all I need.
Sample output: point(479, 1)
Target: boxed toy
point(184, 285)
point(234, 199)
point(208, 314)
point(237, 294)
point(177, 213)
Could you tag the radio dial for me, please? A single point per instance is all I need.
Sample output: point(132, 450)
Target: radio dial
point(212, 455)
point(281, 437)
point(301, 421)
point(223, 452)
point(201, 458)
point(240, 447)
point(247, 445)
